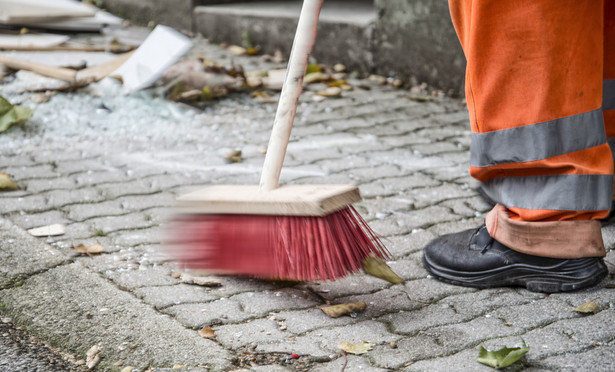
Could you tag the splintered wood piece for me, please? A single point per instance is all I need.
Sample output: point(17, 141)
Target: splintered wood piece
point(288, 200)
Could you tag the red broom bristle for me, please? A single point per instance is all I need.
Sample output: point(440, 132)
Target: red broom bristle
point(281, 247)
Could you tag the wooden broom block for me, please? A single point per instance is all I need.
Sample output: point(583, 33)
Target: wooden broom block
point(287, 200)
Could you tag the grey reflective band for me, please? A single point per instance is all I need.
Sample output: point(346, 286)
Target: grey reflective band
point(608, 94)
point(538, 141)
point(562, 192)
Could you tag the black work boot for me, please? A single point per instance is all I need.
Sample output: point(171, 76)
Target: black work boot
point(472, 258)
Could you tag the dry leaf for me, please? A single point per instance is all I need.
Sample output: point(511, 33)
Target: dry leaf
point(93, 356)
point(237, 50)
point(378, 79)
point(190, 95)
point(335, 311)
point(233, 156)
point(253, 82)
point(330, 92)
point(263, 96)
point(274, 79)
point(312, 67)
point(397, 83)
point(376, 266)
point(315, 77)
point(319, 98)
point(339, 67)
point(356, 348)
point(253, 51)
point(207, 332)
point(588, 308)
point(200, 280)
point(90, 249)
point(6, 183)
point(127, 369)
point(338, 83)
point(50, 230)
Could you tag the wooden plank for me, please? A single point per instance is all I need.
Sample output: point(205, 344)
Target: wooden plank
point(287, 200)
point(81, 77)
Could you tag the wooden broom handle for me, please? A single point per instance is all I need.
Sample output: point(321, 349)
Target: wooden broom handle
point(305, 37)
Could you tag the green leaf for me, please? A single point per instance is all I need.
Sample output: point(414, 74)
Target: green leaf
point(11, 115)
point(503, 357)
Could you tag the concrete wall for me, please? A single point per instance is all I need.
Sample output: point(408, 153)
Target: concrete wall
point(409, 39)
point(174, 13)
point(416, 39)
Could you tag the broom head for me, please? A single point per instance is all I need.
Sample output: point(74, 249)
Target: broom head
point(299, 232)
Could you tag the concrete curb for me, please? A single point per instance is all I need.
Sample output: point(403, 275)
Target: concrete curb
point(72, 308)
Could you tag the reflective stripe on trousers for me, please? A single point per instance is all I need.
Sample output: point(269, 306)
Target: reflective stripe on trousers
point(541, 121)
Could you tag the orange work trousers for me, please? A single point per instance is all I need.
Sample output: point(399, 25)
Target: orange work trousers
point(540, 88)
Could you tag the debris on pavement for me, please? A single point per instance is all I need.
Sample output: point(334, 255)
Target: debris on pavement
point(377, 267)
point(93, 356)
point(163, 47)
point(207, 332)
point(198, 280)
point(335, 311)
point(89, 250)
point(587, 308)
point(356, 349)
point(60, 15)
point(12, 115)
point(503, 357)
point(49, 230)
point(6, 183)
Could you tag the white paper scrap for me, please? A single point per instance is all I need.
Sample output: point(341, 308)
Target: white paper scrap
point(163, 47)
point(49, 230)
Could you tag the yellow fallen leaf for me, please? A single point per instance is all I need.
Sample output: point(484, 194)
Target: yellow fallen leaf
point(178, 366)
point(127, 369)
point(311, 68)
point(252, 51)
point(335, 311)
point(356, 349)
point(6, 183)
point(207, 332)
point(90, 249)
point(338, 83)
point(587, 308)
point(376, 266)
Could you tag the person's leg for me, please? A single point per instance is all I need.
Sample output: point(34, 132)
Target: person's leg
point(608, 102)
point(534, 93)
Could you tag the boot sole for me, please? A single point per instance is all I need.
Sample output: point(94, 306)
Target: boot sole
point(564, 277)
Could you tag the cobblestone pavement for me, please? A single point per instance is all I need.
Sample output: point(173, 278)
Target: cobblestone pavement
point(109, 168)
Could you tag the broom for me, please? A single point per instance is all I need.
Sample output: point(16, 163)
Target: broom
point(290, 232)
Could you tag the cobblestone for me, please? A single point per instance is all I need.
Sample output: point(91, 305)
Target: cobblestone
point(114, 182)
